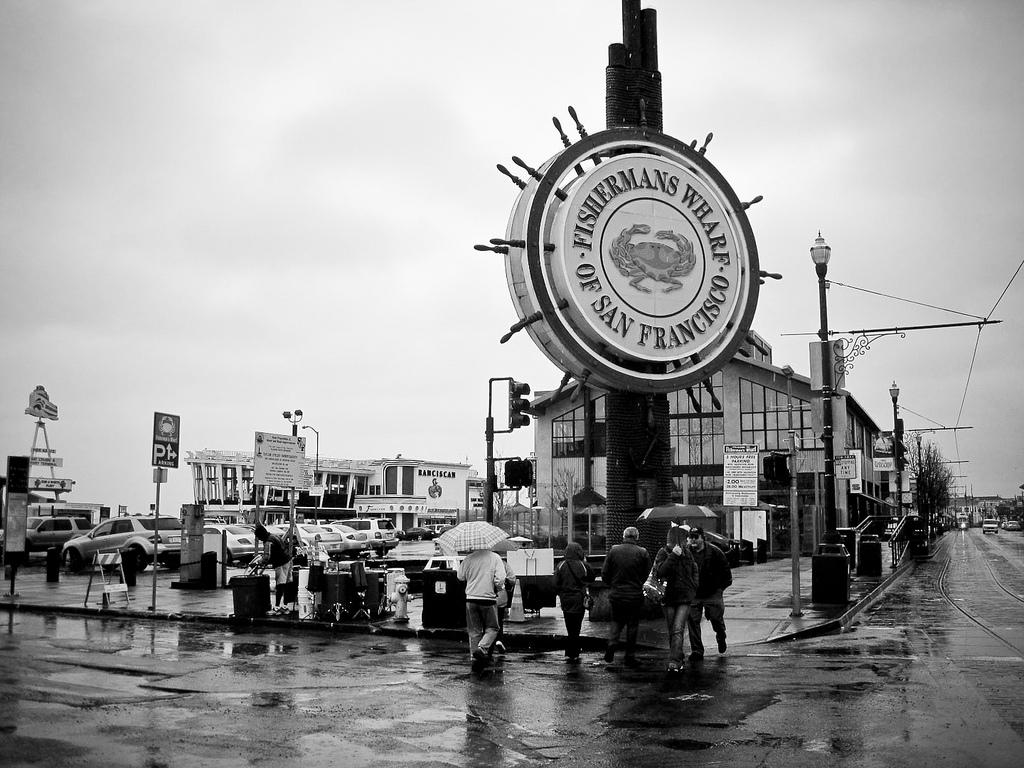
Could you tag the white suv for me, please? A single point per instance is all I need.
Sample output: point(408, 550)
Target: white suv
point(127, 534)
point(380, 531)
point(990, 526)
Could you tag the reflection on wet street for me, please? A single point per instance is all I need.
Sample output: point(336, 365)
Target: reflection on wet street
point(915, 682)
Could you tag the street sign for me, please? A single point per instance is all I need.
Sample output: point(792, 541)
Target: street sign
point(279, 461)
point(46, 462)
point(740, 482)
point(166, 434)
point(50, 484)
point(846, 467)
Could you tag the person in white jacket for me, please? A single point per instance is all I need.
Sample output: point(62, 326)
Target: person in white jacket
point(484, 574)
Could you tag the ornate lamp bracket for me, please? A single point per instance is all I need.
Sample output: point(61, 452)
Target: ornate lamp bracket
point(848, 349)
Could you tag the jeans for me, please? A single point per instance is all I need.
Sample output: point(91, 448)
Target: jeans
point(625, 616)
point(481, 625)
point(573, 622)
point(675, 619)
point(714, 608)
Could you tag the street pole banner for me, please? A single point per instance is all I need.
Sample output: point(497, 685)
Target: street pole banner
point(857, 482)
point(279, 461)
point(740, 482)
point(884, 459)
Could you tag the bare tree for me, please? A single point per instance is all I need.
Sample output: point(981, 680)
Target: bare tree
point(935, 479)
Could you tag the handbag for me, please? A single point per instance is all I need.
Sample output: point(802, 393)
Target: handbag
point(654, 588)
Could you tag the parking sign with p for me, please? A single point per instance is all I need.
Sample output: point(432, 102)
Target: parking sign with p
point(166, 433)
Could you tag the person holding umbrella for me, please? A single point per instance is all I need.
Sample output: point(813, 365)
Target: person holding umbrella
point(674, 565)
point(484, 574)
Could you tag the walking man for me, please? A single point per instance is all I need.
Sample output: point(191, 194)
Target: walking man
point(626, 568)
point(484, 574)
point(714, 576)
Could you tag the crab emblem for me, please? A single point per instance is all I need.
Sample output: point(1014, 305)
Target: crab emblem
point(659, 262)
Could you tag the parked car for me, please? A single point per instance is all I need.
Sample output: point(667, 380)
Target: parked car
point(353, 543)
point(132, 535)
point(416, 533)
point(990, 525)
point(41, 533)
point(379, 531)
point(1011, 525)
point(241, 541)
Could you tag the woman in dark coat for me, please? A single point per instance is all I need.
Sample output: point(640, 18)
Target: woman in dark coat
point(674, 564)
point(571, 580)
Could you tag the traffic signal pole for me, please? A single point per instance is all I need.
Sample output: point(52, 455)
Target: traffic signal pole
point(491, 483)
point(516, 418)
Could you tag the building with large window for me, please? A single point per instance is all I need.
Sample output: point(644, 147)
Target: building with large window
point(751, 401)
point(406, 491)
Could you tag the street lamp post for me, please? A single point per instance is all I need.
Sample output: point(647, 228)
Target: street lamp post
point(830, 565)
point(294, 417)
point(316, 460)
point(894, 393)
point(820, 254)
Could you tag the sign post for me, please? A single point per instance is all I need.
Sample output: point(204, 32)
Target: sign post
point(15, 550)
point(166, 436)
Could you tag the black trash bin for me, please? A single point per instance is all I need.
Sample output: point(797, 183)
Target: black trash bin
point(251, 596)
point(747, 551)
point(129, 566)
point(870, 561)
point(444, 599)
point(53, 564)
point(762, 551)
point(830, 575)
point(848, 538)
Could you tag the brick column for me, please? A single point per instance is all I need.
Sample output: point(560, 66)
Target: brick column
point(638, 447)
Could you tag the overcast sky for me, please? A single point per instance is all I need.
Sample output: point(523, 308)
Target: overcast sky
point(223, 210)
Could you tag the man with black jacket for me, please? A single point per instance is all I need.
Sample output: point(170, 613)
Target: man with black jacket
point(715, 576)
point(626, 568)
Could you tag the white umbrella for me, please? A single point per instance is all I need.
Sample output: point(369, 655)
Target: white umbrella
point(475, 534)
point(678, 512)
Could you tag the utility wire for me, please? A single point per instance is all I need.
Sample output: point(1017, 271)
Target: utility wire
point(970, 370)
point(1006, 288)
point(911, 301)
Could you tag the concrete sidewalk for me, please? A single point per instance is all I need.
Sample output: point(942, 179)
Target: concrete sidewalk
point(758, 608)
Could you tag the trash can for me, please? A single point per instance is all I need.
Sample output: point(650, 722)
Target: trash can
point(747, 551)
point(537, 592)
point(251, 596)
point(444, 599)
point(848, 537)
point(869, 563)
point(830, 575)
point(733, 555)
point(53, 564)
point(762, 551)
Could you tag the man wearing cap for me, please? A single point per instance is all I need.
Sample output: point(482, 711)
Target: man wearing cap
point(626, 568)
point(715, 576)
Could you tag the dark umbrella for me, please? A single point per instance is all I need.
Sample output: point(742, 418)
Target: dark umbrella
point(678, 512)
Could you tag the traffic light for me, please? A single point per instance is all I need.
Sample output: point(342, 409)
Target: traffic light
point(776, 469)
point(518, 473)
point(517, 404)
point(899, 451)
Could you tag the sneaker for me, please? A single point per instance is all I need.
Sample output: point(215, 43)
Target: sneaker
point(609, 655)
point(499, 647)
point(695, 657)
point(479, 654)
point(721, 645)
point(673, 668)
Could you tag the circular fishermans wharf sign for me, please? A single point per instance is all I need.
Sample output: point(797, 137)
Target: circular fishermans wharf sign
point(639, 269)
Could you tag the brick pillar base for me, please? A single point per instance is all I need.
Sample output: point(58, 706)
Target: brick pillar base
point(639, 451)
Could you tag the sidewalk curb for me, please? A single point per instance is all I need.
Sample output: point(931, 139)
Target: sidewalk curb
point(842, 622)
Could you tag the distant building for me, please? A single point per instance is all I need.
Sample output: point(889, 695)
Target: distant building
point(406, 491)
point(747, 403)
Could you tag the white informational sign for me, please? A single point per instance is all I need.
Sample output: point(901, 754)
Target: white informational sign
point(846, 467)
point(42, 461)
point(50, 484)
point(857, 482)
point(532, 562)
point(279, 461)
point(740, 486)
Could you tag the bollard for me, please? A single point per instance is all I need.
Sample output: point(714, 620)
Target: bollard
point(129, 566)
point(53, 565)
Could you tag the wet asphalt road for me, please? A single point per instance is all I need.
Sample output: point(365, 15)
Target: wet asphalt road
point(933, 674)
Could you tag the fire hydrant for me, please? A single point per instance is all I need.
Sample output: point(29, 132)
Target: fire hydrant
point(400, 598)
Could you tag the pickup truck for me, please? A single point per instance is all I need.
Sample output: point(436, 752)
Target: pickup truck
point(990, 526)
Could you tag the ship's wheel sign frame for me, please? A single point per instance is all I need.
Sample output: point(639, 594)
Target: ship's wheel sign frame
point(642, 265)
